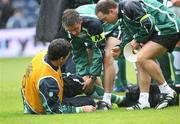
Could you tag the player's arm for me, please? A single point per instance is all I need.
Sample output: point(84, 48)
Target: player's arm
point(125, 38)
point(97, 36)
point(48, 92)
point(80, 55)
point(135, 11)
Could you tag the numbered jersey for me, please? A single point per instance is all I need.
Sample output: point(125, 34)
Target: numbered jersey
point(37, 71)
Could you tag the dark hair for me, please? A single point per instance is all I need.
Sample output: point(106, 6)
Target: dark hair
point(104, 6)
point(70, 17)
point(58, 48)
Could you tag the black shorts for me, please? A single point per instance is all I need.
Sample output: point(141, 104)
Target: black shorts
point(73, 85)
point(168, 41)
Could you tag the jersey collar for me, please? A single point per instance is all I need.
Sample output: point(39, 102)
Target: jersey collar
point(49, 63)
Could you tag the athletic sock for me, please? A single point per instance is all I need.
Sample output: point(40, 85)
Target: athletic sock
point(107, 98)
point(99, 94)
point(164, 88)
point(144, 98)
point(116, 99)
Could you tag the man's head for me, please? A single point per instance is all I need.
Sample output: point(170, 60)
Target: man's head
point(59, 50)
point(71, 21)
point(107, 11)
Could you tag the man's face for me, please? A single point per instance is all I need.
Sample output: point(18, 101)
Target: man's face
point(109, 18)
point(74, 30)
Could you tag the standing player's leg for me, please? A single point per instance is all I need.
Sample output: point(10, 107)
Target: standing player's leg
point(147, 68)
point(109, 70)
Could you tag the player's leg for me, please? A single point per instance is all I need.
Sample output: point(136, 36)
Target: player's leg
point(73, 85)
point(109, 70)
point(146, 57)
point(150, 51)
point(144, 80)
point(99, 92)
point(78, 101)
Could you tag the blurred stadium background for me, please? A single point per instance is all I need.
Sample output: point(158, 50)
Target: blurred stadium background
point(17, 28)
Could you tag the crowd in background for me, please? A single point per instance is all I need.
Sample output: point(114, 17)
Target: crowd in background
point(18, 13)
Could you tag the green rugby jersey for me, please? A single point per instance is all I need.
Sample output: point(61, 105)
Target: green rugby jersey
point(89, 11)
point(141, 18)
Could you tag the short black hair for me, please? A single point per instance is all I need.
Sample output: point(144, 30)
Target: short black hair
point(58, 48)
point(105, 5)
point(70, 17)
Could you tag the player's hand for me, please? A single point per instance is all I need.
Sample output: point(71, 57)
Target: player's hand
point(88, 85)
point(88, 108)
point(116, 52)
point(135, 46)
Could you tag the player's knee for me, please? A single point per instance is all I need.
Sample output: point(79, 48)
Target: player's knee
point(140, 61)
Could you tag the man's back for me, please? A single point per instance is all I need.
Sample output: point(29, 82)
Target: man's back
point(37, 71)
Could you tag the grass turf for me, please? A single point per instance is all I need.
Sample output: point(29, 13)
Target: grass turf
point(11, 108)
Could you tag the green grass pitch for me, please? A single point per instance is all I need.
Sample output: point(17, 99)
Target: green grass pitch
point(11, 108)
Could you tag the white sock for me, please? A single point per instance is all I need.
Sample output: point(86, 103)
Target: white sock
point(144, 98)
point(107, 98)
point(164, 88)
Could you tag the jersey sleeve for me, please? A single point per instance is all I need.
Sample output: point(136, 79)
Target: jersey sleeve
point(98, 38)
point(135, 11)
point(126, 37)
point(48, 92)
point(96, 31)
point(97, 59)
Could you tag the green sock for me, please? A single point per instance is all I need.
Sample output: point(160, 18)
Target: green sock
point(164, 63)
point(121, 80)
point(99, 92)
point(175, 56)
